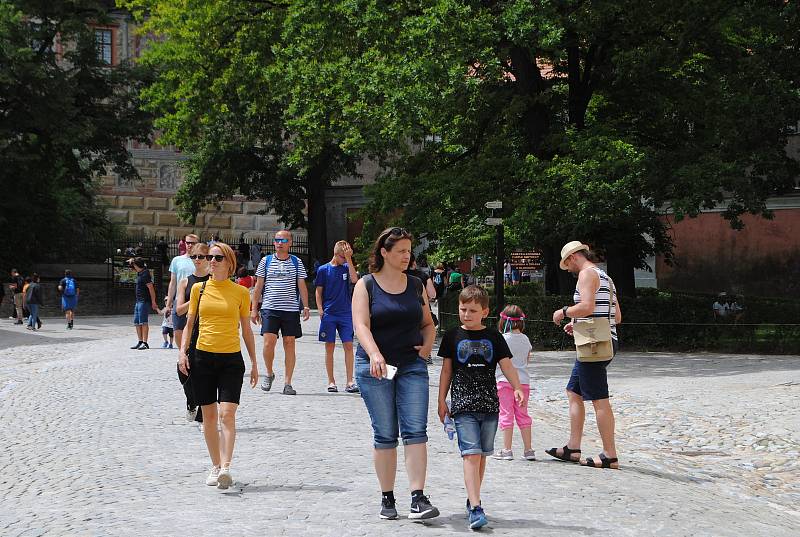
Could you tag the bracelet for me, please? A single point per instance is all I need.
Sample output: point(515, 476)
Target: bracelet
point(564, 310)
point(306, 308)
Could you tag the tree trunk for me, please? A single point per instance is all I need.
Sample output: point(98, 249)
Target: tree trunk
point(317, 224)
point(620, 266)
point(556, 281)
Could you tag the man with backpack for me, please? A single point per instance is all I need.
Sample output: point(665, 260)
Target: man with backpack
point(69, 290)
point(283, 295)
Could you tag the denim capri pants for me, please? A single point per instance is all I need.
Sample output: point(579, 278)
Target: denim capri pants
point(397, 407)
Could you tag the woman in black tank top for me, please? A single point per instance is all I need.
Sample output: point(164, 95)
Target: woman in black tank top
point(198, 257)
point(395, 331)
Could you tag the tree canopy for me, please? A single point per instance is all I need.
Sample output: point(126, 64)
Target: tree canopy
point(587, 119)
point(65, 117)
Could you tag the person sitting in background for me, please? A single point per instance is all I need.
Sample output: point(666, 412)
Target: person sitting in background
point(721, 307)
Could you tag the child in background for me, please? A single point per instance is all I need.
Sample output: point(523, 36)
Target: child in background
point(166, 327)
point(471, 354)
point(511, 324)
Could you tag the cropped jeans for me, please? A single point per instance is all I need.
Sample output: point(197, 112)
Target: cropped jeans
point(397, 407)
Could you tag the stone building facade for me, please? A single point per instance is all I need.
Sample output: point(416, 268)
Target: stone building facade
point(148, 206)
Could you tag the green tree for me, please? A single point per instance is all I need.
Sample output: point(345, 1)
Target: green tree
point(586, 118)
point(222, 96)
point(65, 117)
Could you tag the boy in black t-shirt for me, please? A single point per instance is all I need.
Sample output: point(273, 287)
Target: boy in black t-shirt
point(471, 353)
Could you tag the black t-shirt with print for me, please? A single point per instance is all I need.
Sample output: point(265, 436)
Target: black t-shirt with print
point(475, 354)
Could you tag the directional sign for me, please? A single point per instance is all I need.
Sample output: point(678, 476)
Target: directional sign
point(494, 221)
point(494, 205)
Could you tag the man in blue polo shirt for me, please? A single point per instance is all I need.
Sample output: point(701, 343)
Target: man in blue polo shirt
point(333, 301)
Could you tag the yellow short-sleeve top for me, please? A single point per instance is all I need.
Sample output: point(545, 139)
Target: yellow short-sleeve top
point(223, 304)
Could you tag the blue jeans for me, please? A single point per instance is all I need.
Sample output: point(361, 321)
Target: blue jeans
point(476, 432)
point(34, 314)
point(398, 406)
point(141, 311)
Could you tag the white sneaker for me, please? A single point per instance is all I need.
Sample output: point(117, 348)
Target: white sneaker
point(224, 480)
point(213, 476)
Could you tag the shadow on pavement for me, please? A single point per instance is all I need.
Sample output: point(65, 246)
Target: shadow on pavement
point(246, 488)
point(262, 429)
point(632, 365)
point(458, 523)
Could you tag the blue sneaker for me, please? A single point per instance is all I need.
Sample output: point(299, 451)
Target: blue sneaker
point(164, 345)
point(477, 518)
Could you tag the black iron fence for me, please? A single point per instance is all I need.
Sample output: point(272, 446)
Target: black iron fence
point(100, 265)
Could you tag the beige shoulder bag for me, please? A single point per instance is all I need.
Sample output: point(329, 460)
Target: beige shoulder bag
point(593, 336)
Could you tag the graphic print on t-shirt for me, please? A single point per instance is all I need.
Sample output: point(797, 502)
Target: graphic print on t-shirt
point(481, 349)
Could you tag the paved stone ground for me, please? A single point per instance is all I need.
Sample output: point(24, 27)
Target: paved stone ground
point(93, 441)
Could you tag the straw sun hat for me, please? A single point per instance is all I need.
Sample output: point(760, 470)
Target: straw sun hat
point(569, 249)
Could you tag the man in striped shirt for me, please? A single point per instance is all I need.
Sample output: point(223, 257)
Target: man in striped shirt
point(281, 285)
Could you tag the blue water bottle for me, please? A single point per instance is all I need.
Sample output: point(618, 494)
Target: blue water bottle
point(449, 425)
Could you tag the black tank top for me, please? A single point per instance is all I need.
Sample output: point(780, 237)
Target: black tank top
point(395, 322)
point(191, 280)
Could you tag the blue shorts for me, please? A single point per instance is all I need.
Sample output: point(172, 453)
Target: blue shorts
point(178, 321)
point(590, 379)
point(330, 324)
point(141, 311)
point(69, 303)
point(476, 432)
point(285, 322)
point(397, 407)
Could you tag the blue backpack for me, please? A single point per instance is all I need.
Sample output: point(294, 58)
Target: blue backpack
point(296, 263)
point(69, 287)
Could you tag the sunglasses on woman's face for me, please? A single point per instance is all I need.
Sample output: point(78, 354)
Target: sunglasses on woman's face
point(216, 258)
point(197, 257)
point(282, 241)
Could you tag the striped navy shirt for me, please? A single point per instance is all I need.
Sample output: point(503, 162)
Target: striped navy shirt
point(280, 285)
point(602, 299)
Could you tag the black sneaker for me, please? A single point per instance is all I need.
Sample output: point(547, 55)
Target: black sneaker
point(421, 509)
point(388, 511)
point(135, 347)
point(288, 390)
point(143, 346)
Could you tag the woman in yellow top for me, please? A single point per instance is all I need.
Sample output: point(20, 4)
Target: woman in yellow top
point(217, 367)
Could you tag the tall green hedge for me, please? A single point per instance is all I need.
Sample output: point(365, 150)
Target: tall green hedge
point(663, 321)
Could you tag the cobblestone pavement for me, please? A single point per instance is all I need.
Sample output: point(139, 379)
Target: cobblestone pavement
point(93, 441)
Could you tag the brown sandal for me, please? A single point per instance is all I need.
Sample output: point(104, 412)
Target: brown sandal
point(566, 454)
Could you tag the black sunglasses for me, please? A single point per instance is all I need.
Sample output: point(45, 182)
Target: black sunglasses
point(396, 232)
point(218, 258)
point(200, 257)
point(190, 243)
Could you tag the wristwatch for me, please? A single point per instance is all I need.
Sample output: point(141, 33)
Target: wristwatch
point(564, 310)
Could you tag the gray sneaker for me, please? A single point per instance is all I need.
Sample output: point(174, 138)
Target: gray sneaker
point(266, 384)
point(288, 390)
point(530, 455)
point(504, 455)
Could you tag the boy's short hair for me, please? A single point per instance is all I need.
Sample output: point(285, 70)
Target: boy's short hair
point(474, 293)
point(339, 247)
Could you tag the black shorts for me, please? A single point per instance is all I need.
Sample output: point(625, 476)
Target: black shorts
point(287, 322)
point(216, 377)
